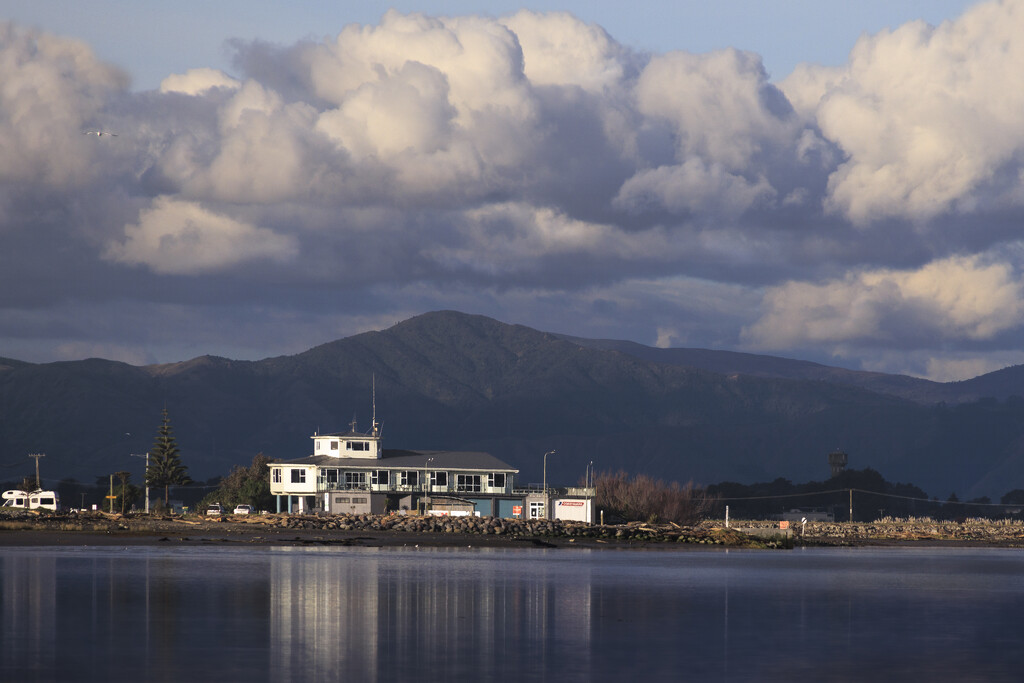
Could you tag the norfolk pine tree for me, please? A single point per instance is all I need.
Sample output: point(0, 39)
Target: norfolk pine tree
point(165, 468)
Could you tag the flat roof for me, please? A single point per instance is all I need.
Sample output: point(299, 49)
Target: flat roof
point(410, 460)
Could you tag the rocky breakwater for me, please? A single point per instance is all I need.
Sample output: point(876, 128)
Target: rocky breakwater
point(1000, 532)
point(383, 529)
point(525, 529)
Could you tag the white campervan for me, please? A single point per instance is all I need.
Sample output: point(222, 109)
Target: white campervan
point(46, 500)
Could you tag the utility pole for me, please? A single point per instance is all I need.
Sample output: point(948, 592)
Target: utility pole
point(547, 498)
point(851, 505)
point(145, 477)
point(39, 482)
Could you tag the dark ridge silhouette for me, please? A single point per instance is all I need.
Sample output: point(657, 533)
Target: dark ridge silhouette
point(452, 381)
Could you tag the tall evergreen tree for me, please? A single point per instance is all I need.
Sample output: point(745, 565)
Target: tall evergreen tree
point(165, 468)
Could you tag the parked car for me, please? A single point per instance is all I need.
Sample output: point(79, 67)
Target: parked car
point(244, 509)
point(215, 509)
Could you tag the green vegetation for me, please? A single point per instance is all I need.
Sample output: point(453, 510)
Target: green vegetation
point(165, 468)
point(244, 485)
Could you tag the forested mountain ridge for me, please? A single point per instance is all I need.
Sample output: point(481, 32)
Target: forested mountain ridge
point(449, 380)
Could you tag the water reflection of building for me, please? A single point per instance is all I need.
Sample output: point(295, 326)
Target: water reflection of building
point(323, 618)
point(364, 616)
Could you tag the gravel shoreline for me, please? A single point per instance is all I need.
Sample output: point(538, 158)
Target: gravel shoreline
point(22, 528)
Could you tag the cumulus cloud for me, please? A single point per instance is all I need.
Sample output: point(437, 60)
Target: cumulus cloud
point(926, 116)
point(198, 81)
point(182, 238)
point(870, 209)
point(956, 298)
point(559, 50)
point(51, 91)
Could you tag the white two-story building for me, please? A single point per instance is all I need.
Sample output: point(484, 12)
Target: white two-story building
point(351, 472)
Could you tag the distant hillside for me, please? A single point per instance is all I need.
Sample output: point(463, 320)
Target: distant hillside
point(734, 363)
point(448, 380)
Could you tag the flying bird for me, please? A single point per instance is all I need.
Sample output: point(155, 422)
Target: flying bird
point(98, 133)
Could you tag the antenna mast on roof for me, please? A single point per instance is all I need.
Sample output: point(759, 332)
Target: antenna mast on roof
point(373, 397)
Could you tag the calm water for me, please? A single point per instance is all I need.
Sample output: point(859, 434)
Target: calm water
point(403, 614)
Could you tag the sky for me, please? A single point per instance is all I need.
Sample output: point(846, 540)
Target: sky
point(837, 182)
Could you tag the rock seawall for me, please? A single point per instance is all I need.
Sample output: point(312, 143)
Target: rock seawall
point(438, 530)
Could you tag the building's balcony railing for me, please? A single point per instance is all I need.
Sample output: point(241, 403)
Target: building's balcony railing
point(575, 491)
point(437, 489)
point(581, 491)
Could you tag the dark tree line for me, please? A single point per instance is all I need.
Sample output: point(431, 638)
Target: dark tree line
point(873, 498)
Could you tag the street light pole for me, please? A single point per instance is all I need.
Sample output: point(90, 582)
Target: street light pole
point(547, 498)
point(145, 476)
point(426, 482)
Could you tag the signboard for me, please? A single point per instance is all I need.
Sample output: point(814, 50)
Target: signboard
point(517, 510)
point(573, 509)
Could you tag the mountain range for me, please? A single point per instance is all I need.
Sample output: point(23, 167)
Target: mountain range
point(452, 381)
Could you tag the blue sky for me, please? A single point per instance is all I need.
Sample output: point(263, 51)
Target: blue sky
point(838, 182)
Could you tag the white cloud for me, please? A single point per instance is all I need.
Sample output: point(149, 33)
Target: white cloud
point(666, 338)
point(51, 91)
point(559, 49)
point(198, 81)
point(406, 112)
point(959, 298)
point(956, 369)
point(694, 187)
point(176, 237)
point(928, 116)
point(719, 104)
point(730, 129)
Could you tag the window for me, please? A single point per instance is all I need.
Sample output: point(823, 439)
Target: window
point(359, 500)
point(379, 477)
point(467, 482)
point(298, 476)
point(357, 445)
point(496, 480)
point(536, 510)
point(340, 499)
point(355, 479)
point(332, 476)
point(275, 475)
point(439, 479)
point(408, 478)
point(334, 445)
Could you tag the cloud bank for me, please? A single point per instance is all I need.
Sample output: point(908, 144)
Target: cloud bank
point(527, 167)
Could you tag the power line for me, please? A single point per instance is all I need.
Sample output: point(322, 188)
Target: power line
point(933, 501)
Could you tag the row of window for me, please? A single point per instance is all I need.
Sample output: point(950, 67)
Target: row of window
point(352, 445)
point(463, 482)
